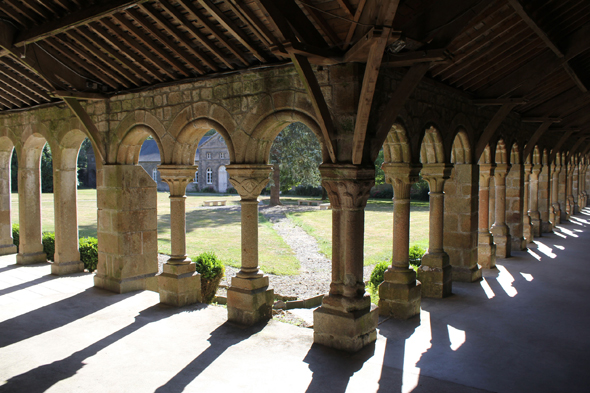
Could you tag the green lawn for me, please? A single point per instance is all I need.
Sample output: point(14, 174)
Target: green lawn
point(378, 228)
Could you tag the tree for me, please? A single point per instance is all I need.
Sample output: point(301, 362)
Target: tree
point(46, 170)
point(379, 174)
point(296, 155)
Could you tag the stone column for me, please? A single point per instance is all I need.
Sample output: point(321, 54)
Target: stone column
point(435, 271)
point(500, 230)
point(179, 284)
point(249, 299)
point(29, 208)
point(399, 294)
point(583, 187)
point(347, 320)
point(534, 201)
point(555, 212)
point(569, 204)
point(545, 198)
point(527, 226)
point(580, 187)
point(486, 249)
point(562, 192)
point(65, 199)
point(515, 195)
point(492, 202)
point(575, 185)
point(460, 240)
point(6, 241)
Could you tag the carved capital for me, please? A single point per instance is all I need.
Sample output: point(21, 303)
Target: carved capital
point(401, 176)
point(249, 179)
point(502, 170)
point(177, 177)
point(348, 186)
point(435, 175)
point(537, 168)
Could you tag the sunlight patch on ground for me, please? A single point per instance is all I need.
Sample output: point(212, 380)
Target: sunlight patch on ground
point(560, 235)
point(559, 247)
point(581, 220)
point(506, 279)
point(486, 288)
point(545, 249)
point(456, 337)
point(566, 231)
point(527, 276)
point(416, 345)
point(534, 254)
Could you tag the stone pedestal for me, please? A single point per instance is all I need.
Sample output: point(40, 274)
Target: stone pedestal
point(249, 299)
point(400, 293)
point(569, 203)
point(179, 284)
point(545, 197)
point(500, 230)
point(6, 241)
point(435, 272)
point(515, 195)
point(527, 226)
point(555, 212)
point(575, 185)
point(127, 229)
point(346, 320)
point(534, 201)
point(486, 250)
point(562, 190)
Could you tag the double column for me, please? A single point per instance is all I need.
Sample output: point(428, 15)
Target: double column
point(534, 201)
point(555, 211)
point(347, 320)
point(486, 249)
point(399, 294)
point(249, 299)
point(179, 284)
point(6, 241)
point(435, 272)
point(500, 230)
point(527, 226)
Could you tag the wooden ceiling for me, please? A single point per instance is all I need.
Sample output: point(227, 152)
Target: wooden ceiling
point(527, 52)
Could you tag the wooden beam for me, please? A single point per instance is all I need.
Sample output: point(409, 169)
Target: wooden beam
point(357, 15)
point(324, 26)
point(359, 52)
point(577, 145)
point(302, 26)
point(491, 128)
point(410, 58)
point(577, 42)
point(26, 84)
point(346, 7)
point(535, 138)
point(93, 133)
point(79, 95)
point(396, 103)
point(574, 76)
point(256, 24)
point(541, 119)
point(75, 19)
point(560, 143)
point(318, 101)
point(500, 101)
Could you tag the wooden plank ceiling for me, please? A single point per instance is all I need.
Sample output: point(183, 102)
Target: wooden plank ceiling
point(535, 53)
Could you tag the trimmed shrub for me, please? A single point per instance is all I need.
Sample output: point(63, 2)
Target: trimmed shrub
point(231, 190)
point(211, 270)
point(308, 191)
point(416, 253)
point(49, 245)
point(89, 253)
point(420, 190)
point(15, 235)
point(377, 274)
point(209, 190)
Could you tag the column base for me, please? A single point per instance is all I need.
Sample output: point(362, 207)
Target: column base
point(139, 283)
point(466, 274)
point(31, 258)
point(537, 226)
point(346, 331)
point(546, 227)
point(435, 274)
point(502, 240)
point(179, 285)
point(486, 251)
point(8, 249)
point(519, 244)
point(400, 294)
point(249, 300)
point(63, 268)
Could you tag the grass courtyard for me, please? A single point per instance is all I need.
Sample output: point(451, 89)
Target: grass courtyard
point(219, 229)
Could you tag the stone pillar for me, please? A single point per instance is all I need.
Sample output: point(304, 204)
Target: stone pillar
point(65, 187)
point(544, 198)
point(29, 208)
point(347, 320)
point(249, 299)
point(580, 187)
point(127, 229)
point(179, 284)
point(569, 203)
point(575, 185)
point(527, 226)
point(515, 195)
point(6, 241)
point(500, 230)
point(583, 187)
point(555, 212)
point(460, 240)
point(399, 294)
point(486, 249)
point(435, 272)
point(534, 201)
point(492, 203)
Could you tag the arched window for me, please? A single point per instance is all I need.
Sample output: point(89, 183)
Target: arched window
point(209, 176)
point(155, 175)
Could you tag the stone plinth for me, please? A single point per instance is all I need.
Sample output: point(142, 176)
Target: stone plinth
point(127, 229)
point(500, 230)
point(399, 293)
point(347, 331)
point(249, 300)
point(515, 195)
point(534, 201)
point(179, 285)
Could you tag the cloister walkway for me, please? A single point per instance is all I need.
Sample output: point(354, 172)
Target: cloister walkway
point(524, 328)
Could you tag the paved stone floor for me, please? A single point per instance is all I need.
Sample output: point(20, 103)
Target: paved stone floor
point(523, 329)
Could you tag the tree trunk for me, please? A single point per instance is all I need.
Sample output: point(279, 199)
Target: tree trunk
point(274, 190)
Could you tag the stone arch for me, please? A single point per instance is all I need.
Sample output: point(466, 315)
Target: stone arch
point(69, 147)
point(189, 136)
point(545, 156)
point(486, 156)
point(265, 132)
point(31, 150)
point(396, 148)
point(536, 156)
point(460, 124)
point(515, 154)
point(432, 149)
point(501, 156)
point(131, 133)
point(461, 149)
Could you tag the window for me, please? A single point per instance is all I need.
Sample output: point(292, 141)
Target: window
point(220, 155)
point(197, 176)
point(209, 175)
point(155, 175)
point(208, 156)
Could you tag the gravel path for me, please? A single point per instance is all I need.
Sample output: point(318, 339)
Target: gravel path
point(315, 273)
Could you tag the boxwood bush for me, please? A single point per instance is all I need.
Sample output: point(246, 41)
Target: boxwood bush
point(15, 235)
point(212, 270)
point(49, 245)
point(89, 253)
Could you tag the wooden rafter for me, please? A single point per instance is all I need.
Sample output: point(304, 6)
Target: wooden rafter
point(249, 18)
point(27, 87)
point(321, 22)
point(532, 141)
point(91, 128)
point(353, 23)
point(491, 128)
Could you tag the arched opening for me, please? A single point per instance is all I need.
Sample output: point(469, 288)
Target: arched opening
point(211, 157)
point(7, 155)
